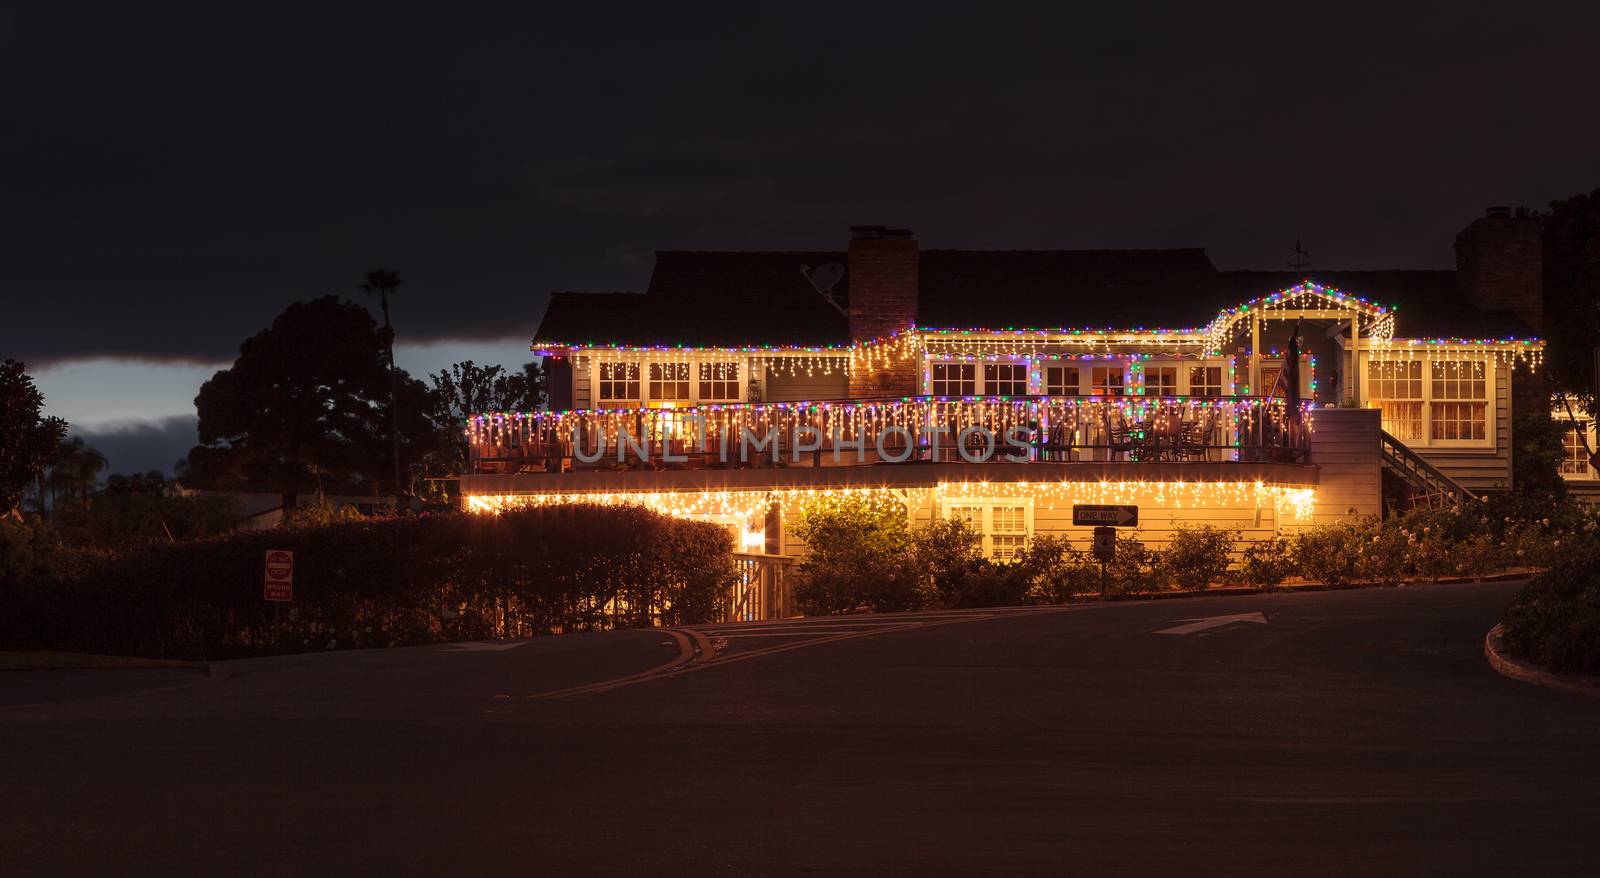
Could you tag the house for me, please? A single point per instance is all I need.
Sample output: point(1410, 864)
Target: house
point(1008, 386)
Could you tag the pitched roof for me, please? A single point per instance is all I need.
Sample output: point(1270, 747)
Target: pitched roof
point(1013, 289)
point(739, 299)
point(708, 298)
point(1426, 302)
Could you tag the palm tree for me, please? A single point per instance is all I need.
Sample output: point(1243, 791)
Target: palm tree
point(384, 283)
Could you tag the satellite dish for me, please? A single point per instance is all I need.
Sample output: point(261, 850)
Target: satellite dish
point(824, 277)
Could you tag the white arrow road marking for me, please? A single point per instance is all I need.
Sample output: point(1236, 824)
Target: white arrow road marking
point(488, 645)
point(1212, 622)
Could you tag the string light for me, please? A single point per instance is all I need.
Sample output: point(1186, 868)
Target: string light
point(1291, 502)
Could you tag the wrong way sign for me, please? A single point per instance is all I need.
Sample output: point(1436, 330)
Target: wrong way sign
point(278, 584)
point(1122, 515)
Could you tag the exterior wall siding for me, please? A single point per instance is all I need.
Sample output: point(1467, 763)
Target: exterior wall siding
point(785, 387)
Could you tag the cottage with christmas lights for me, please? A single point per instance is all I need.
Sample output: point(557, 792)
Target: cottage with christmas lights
point(1006, 386)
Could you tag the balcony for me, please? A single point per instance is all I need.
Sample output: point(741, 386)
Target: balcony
point(1103, 435)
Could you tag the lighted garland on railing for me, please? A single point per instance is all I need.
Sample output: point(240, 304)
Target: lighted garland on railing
point(851, 418)
point(1288, 501)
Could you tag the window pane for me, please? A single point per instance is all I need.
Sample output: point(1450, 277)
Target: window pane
point(1061, 381)
point(1161, 381)
point(955, 379)
point(1106, 380)
point(719, 381)
point(1005, 379)
point(1205, 380)
point(619, 381)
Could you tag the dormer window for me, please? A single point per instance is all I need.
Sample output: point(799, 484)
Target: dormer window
point(669, 382)
point(619, 381)
point(719, 382)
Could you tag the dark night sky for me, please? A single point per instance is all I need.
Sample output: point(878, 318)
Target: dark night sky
point(174, 176)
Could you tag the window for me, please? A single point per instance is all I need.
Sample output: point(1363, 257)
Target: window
point(1205, 381)
point(1460, 407)
point(1395, 386)
point(955, 379)
point(619, 381)
point(1005, 379)
point(719, 381)
point(669, 381)
point(1107, 380)
point(1574, 457)
point(1061, 381)
point(1161, 381)
point(1005, 523)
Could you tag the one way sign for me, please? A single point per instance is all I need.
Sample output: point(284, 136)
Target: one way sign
point(1100, 516)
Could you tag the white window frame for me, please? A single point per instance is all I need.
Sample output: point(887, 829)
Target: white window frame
point(705, 368)
point(1073, 389)
point(983, 382)
point(985, 507)
point(1088, 369)
point(1567, 427)
point(1177, 376)
point(662, 366)
point(977, 376)
point(1490, 401)
point(1186, 381)
point(601, 381)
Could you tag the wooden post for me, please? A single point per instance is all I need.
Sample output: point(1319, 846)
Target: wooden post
point(1255, 355)
point(1355, 359)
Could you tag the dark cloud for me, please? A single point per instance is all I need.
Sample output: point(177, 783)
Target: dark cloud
point(175, 175)
point(141, 446)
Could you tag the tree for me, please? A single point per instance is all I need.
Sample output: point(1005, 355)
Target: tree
point(75, 470)
point(467, 389)
point(309, 390)
point(28, 439)
point(1572, 301)
point(384, 283)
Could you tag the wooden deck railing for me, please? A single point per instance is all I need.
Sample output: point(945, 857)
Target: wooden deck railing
point(1023, 429)
point(762, 591)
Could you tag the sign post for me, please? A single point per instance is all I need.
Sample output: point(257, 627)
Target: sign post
point(1105, 520)
point(278, 584)
point(277, 587)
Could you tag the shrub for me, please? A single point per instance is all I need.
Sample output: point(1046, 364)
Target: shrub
point(948, 552)
point(384, 582)
point(1056, 571)
point(1134, 569)
point(1267, 562)
point(1199, 555)
point(1555, 619)
point(860, 557)
point(1328, 553)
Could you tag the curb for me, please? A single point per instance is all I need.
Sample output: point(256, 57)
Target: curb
point(1241, 590)
point(1527, 672)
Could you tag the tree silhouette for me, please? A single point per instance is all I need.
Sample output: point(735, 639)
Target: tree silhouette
point(384, 283)
point(75, 470)
point(1572, 302)
point(309, 390)
point(467, 389)
point(28, 439)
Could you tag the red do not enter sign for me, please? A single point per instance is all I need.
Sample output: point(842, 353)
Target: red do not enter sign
point(279, 581)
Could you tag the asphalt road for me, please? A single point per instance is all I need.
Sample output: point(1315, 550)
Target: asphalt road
point(1355, 732)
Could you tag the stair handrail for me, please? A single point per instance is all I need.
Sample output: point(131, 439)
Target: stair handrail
point(1424, 470)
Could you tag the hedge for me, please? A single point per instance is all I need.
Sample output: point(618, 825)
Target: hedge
point(381, 582)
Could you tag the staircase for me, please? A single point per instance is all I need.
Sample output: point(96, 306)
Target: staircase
point(1427, 488)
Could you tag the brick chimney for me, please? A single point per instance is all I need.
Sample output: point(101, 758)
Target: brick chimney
point(1499, 264)
point(883, 300)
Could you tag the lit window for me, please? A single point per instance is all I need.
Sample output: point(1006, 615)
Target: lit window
point(955, 379)
point(669, 381)
point(619, 381)
point(1106, 380)
point(1005, 379)
point(1161, 381)
point(1005, 523)
point(1395, 386)
point(1061, 381)
point(1205, 380)
point(1460, 409)
point(719, 381)
point(1574, 456)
